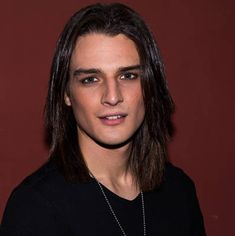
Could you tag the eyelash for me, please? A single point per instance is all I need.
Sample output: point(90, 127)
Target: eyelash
point(125, 76)
point(128, 75)
point(89, 80)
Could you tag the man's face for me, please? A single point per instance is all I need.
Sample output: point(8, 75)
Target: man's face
point(105, 89)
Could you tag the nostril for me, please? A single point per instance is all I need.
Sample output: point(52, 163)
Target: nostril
point(112, 96)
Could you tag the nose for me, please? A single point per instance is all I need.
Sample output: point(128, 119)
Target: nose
point(112, 94)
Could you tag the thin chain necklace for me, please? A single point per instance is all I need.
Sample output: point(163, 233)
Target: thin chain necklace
point(114, 214)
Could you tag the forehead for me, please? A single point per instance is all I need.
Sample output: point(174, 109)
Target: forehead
point(100, 50)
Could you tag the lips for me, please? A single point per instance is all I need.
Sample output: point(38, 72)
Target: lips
point(113, 119)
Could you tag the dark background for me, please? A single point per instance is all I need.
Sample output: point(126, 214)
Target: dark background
point(196, 38)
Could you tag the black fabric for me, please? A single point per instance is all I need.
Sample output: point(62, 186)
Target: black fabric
point(45, 204)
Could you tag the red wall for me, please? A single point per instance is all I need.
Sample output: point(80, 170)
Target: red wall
point(197, 42)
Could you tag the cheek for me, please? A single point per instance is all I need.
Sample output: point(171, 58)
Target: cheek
point(141, 111)
point(81, 108)
point(139, 108)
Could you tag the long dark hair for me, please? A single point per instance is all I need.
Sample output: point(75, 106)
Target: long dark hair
point(148, 153)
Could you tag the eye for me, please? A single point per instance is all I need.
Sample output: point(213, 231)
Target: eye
point(89, 80)
point(129, 76)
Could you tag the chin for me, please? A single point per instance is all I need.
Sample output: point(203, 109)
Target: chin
point(113, 143)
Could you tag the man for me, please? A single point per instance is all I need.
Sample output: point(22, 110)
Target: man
point(108, 120)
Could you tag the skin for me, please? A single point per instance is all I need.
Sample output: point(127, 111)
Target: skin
point(105, 94)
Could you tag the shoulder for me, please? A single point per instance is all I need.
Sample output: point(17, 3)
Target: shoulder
point(40, 184)
point(31, 203)
point(47, 173)
point(176, 198)
point(178, 187)
point(176, 177)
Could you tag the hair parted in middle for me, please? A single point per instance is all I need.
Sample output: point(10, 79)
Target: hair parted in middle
point(149, 144)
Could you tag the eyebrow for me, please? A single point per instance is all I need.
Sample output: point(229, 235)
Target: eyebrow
point(99, 71)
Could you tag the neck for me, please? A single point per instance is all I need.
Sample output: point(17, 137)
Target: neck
point(109, 167)
point(104, 162)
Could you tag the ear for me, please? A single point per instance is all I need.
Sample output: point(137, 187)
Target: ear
point(67, 99)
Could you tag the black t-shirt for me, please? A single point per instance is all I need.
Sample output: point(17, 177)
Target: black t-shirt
point(45, 204)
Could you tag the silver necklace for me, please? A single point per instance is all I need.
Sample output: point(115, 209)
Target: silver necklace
point(114, 214)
